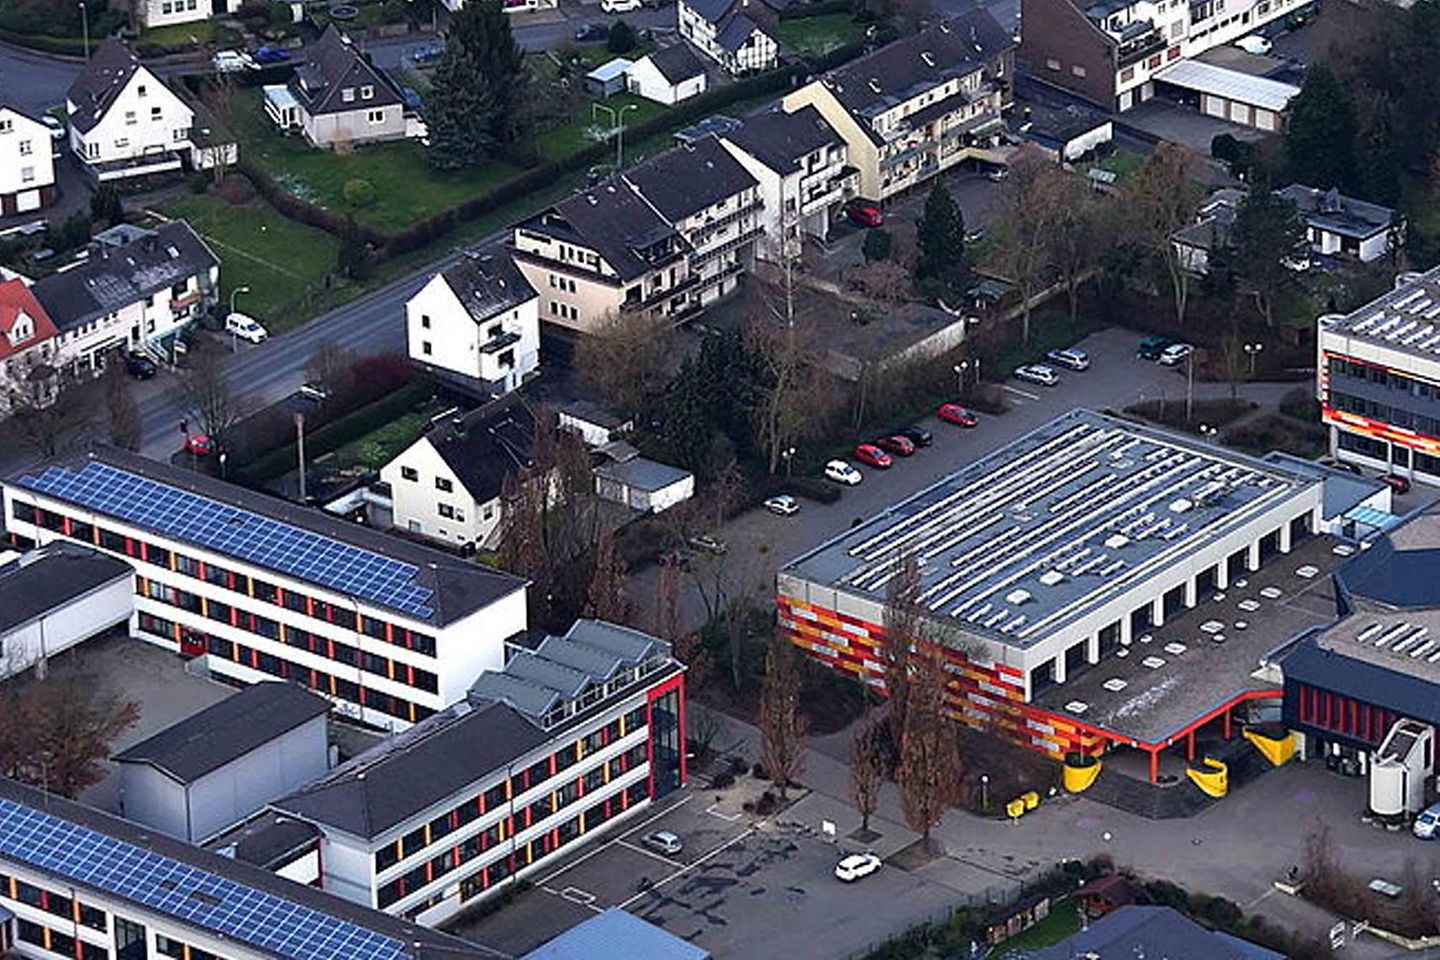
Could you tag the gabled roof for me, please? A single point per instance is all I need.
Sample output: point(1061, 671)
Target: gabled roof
point(332, 65)
point(1334, 212)
point(711, 10)
point(16, 299)
point(613, 220)
point(783, 140)
point(487, 282)
point(616, 935)
point(24, 114)
point(1145, 931)
point(39, 582)
point(117, 276)
point(676, 63)
point(486, 445)
point(736, 31)
point(685, 180)
point(224, 732)
point(110, 68)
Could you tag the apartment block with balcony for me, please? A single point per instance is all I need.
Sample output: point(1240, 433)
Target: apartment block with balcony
point(737, 34)
point(1111, 51)
point(801, 164)
point(918, 106)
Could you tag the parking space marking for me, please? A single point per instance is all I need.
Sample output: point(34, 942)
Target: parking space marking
point(688, 867)
point(727, 817)
point(1021, 393)
point(649, 853)
point(575, 895)
point(616, 839)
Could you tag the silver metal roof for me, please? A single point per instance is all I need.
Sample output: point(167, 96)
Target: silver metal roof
point(1405, 319)
point(1230, 84)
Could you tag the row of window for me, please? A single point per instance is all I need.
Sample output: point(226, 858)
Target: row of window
point(130, 119)
point(1395, 416)
point(564, 311)
point(1395, 380)
point(315, 643)
point(58, 904)
point(170, 947)
point(59, 942)
point(289, 598)
point(1401, 456)
point(178, 6)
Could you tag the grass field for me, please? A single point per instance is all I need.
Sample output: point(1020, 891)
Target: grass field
point(179, 34)
point(1062, 921)
point(381, 445)
point(284, 263)
point(816, 36)
point(590, 125)
point(1122, 163)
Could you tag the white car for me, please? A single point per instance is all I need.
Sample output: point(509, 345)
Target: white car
point(663, 841)
point(842, 472)
point(856, 866)
point(232, 61)
point(246, 328)
point(1427, 824)
point(619, 6)
point(1037, 373)
point(783, 505)
point(1175, 354)
point(1255, 44)
point(1073, 358)
point(55, 126)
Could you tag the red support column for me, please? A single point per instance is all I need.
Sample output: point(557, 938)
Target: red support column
point(1154, 764)
point(1190, 745)
point(1225, 732)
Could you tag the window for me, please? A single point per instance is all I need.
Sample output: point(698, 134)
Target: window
point(444, 485)
point(1052, 64)
point(27, 174)
point(409, 473)
point(154, 113)
point(120, 144)
point(180, 134)
point(446, 511)
point(348, 95)
point(1077, 70)
point(425, 321)
point(26, 148)
point(375, 116)
point(367, 92)
point(7, 126)
point(129, 118)
point(425, 348)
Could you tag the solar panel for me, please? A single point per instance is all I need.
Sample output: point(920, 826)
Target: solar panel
point(239, 533)
point(242, 913)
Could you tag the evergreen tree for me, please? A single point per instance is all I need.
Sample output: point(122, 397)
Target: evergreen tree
point(105, 205)
point(940, 234)
point(353, 258)
point(1379, 180)
point(621, 38)
point(479, 88)
point(1321, 132)
point(1265, 234)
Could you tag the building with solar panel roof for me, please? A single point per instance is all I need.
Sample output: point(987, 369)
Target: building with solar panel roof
point(389, 630)
point(76, 882)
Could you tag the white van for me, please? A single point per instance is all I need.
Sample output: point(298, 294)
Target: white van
point(1427, 825)
point(620, 6)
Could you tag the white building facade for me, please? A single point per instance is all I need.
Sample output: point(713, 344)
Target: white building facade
point(27, 168)
point(124, 121)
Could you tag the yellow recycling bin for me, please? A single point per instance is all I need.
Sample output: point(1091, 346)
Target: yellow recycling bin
point(1079, 772)
point(1213, 777)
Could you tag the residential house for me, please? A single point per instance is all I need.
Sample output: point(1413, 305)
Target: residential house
point(800, 162)
point(29, 344)
point(918, 106)
point(510, 6)
point(164, 13)
point(338, 96)
point(1195, 242)
point(737, 34)
point(476, 324)
point(27, 164)
point(125, 121)
point(669, 75)
point(1337, 225)
point(714, 204)
point(446, 486)
point(1111, 51)
point(136, 291)
point(1146, 931)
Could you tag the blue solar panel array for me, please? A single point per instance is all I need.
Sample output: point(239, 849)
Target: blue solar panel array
point(262, 920)
point(239, 533)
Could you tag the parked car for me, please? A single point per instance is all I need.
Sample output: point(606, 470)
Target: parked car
point(899, 445)
point(271, 54)
point(426, 53)
point(663, 841)
point(1427, 824)
point(1038, 373)
point(199, 444)
point(140, 366)
point(865, 215)
point(315, 390)
point(978, 235)
point(1255, 44)
point(1174, 354)
point(592, 33)
point(995, 173)
point(709, 544)
point(873, 456)
point(1396, 482)
point(783, 505)
point(246, 328)
point(620, 6)
point(918, 435)
point(856, 866)
point(956, 414)
point(233, 61)
point(1152, 346)
point(842, 472)
point(55, 125)
point(1071, 358)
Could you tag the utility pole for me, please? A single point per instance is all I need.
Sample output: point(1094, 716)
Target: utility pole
point(1189, 384)
point(300, 449)
point(85, 27)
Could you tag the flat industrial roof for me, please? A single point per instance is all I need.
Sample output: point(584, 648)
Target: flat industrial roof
point(1230, 84)
point(1406, 319)
point(1049, 527)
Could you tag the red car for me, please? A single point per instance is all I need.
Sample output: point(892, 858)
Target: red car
point(871, 455)
point(956, 414)
point(199, 444)
point(1396, 482)
point(865, 215)
point(898, 445)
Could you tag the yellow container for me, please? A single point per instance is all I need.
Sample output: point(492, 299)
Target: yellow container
point(1079, 778)
point(1213, 777)
point(1015, 809)
point(1031, 799)
point(1278, 751)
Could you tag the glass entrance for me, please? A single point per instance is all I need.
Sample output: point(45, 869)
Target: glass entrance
point(666, 742)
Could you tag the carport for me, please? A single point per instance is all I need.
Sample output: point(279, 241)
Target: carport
point(1228, 94)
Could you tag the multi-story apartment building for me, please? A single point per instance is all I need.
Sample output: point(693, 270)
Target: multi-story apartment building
point(801, 165)
point(390, 631)
point(27, 348)
point(1378, 380)
point(79, 883)
point(124, 121)
point(737, 34)
point(1110, 51)
point(918, 106)
point(585, 729)
point(476, 324)
point(27, 163)
point(136, 291)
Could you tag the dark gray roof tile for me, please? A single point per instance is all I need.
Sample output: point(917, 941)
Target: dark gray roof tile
point(781, 140)
point(111, 66)
point(42, 580)
point(683, 181)
point(334, 64)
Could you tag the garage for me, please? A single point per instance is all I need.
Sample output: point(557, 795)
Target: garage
point(1226, 94)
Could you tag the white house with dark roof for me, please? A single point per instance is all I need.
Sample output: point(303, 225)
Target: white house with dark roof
point(338, 96)
point(669, 75)
point(29, 347)
point(27, 164)
point(737, 34)
point(476, 324)
point(165, 13)
point(1337, 225)
point(801, 164)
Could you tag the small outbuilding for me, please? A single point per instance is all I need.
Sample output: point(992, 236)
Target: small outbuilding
point(668, 75)
point(642, 484)
point(1227, 94)
point(608, 78)
point(55, 597)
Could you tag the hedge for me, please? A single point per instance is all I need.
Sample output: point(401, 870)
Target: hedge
point(44, 43)
point(821, 8)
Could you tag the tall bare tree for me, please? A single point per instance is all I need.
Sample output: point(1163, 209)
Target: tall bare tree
point(901, 637)
point(782, 725)
point(699, 665)
point(205, 394)
point(333, 365)
point(1031, 205)
point(1079, 235)
point(1160, 198)
point(123, 412)
point(606, 599)
point(928, 774)
point(47, 407)
point(867, 766)
point(58, 732)
point(624, 357)
point(784, 407)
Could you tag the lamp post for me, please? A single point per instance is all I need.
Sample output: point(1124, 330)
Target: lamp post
point(984, 792)
point(234, 342)
point(1210, 433)
point(788, 455)
point(960, 369)
point(1189, 384)
point(1252, 350)
point(617, 118)
point(85, 28)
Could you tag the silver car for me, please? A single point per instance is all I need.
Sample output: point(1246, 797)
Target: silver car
point(1037, 373)
point(663, 841)
point(1072, 358)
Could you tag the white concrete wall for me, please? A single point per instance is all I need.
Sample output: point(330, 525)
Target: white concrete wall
point(416, 503)
point(476, 643)
point(26, 163)
point(348, 867)
point(163, 13)
point(65, 627)
point(455, 338)
point(355, 126)
point(132, 128)
point(238, 789)
point(150, 797)
point(646, 81)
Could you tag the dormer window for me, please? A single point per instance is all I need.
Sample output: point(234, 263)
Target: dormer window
point(928, 58)
point(367, 92)
point(140, 90)
point(348, 94)
point(23, 330)
point(874, 85)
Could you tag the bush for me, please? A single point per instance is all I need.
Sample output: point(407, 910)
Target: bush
point(759, 772)
point(722, 780)
point(621, 39)
point(358, 193)
point(878, 245)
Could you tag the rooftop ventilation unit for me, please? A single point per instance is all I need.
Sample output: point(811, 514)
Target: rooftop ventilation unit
point(1116, 540)
point(1115, 684)
point(1051, 577)
point(1077, 707)
point(1154, 663)
point(1180, 506)
point(1018, 597)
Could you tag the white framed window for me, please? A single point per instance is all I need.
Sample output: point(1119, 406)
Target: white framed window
point(409, 473)
point(129, 118)
point(348, 95)
point(446, 511)
point(375, 116)
point(155, 113)
point(140, 90)
point(181, 133)
point(26, 148)
point(367, 92)
point(27, 174)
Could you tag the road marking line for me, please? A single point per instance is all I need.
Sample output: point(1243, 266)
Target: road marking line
point(650, 853)
point(686, 869)
point(1021, 393)
point(617, 838)
point(727, 817)
point(576, 895)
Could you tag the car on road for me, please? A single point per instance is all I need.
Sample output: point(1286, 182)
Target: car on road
point(865, 215)
point(140, 366)
point(591, 33)
point(233, 61)
point(315, 390)
point(1038, 373)
point(1152, 346)
point(1427, 824)
point(856, 866)
point(663, 841)
point(899, 445)
point(956, 414)
point(271, 54)
point(1255, 44)
point(620, 6)
point(842, 472)
point(199, 445)
point(1071, 358)
point(1396, 482)
point(918, 435)
point(873, 456)
point(246, 328)
point(704, 541)
point(1175, 354)
point(425, 54)
point(783, 505)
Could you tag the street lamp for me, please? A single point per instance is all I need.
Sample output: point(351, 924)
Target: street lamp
point(1252, 350)
point(617, 118)
point(85, 26)
point(1209, 433)
point(234, 342)
point(984, 792)
point(788, 455)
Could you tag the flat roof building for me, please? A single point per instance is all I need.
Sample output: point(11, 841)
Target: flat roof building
point(617, 935)
point(55, 597)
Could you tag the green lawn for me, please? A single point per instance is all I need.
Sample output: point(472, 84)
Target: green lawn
point(383, 444)
point(180, 34)
point(816, 36)
point(1122, 163)
point(284, 263)
point(590, 125)
point(1062, 921)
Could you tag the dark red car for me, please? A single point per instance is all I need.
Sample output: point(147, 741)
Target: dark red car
point(865, 215)
point(898, 445)
point(1396, 482)
point(873, 456)
point(956, 414)
point(199, 444)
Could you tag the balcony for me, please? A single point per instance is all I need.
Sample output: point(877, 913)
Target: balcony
point(495, 344)
point(185, 301)
point(659, 296)
point(1137, 50)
